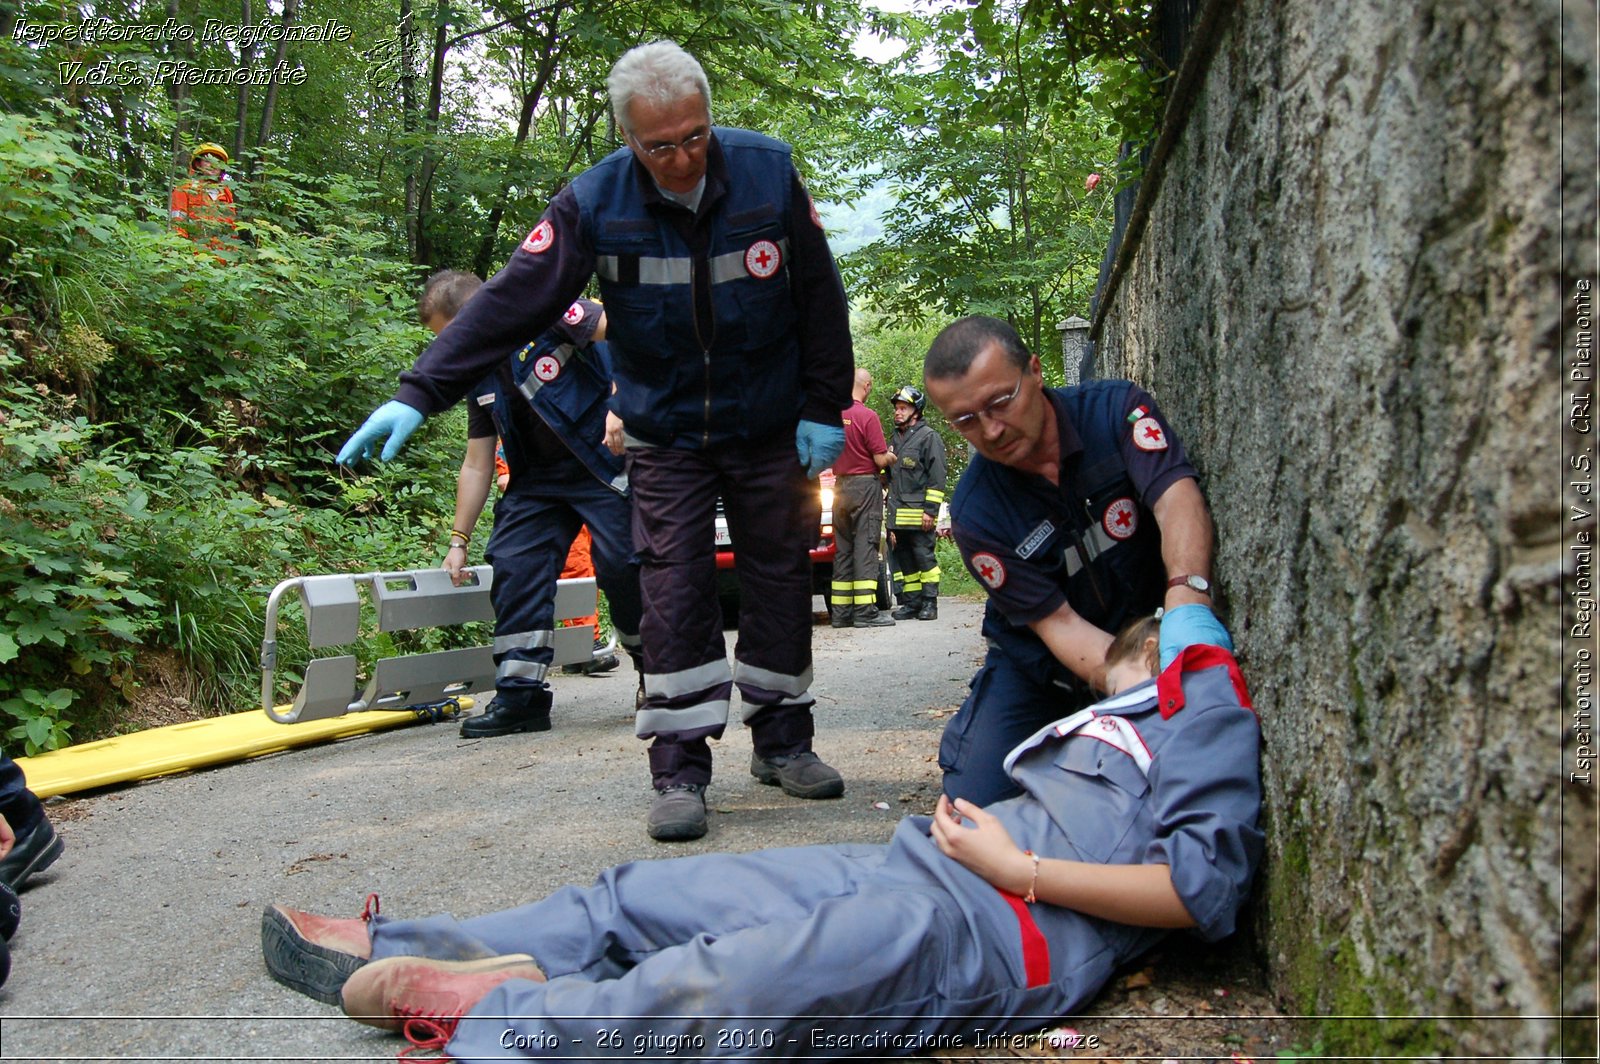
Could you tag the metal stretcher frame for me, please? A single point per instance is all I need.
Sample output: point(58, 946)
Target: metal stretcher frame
point(402, 601)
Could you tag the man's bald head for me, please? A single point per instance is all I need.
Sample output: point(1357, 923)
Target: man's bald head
point(863, 385)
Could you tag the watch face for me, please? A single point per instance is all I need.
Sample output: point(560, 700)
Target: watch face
point(1199, 583)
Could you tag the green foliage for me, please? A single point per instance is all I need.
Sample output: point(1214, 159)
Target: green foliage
point(986, 135)
point(954, 579)
point(190, 470)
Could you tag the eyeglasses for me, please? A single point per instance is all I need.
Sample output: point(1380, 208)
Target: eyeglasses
point(662, 152)
point(994, 409)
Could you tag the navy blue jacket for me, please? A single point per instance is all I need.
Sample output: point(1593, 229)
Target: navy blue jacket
point(1090, 541)
point(756, 338)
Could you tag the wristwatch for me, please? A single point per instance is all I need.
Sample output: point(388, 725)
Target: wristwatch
point(1192, 582)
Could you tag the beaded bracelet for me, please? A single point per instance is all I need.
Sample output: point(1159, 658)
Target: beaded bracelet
point(1033, 884)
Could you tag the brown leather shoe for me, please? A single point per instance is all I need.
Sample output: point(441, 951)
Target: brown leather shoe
point(315, 954)
point(390, 992)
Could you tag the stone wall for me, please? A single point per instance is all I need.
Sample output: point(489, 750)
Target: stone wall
point(1349, 301)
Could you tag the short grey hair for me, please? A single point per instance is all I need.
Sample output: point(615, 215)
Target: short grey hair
point(660, 72)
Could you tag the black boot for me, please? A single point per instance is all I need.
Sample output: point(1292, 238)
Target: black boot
point(871, 617)
point(929, 610)
point(841, 616)
point(515, 709)
point(909, 605)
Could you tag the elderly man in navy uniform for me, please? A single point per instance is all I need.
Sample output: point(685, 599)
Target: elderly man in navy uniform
point(1079, 513)
point(730, 341)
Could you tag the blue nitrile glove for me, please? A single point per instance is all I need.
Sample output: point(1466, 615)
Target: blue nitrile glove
point(1187, 625)
point(394, 420)
point(818, 445)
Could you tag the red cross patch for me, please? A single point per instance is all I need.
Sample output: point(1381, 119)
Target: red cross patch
point(540, 239)
point(763, 259)
point(547, 369)
point(1121, 519)
point(574, 314)
point(1148, 435)
point(989, 569)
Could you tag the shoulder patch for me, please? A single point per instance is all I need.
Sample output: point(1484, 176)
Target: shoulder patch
point(539, 241)
point(1148, 435)
point(990, 569)
point(574, 314)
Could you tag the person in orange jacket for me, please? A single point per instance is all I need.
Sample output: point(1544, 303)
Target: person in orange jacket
point(202, 207)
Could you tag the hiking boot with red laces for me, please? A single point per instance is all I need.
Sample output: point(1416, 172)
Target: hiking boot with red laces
point(390, 992)
point(315, 954)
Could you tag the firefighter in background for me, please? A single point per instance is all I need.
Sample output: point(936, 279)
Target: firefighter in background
point(202, 207)
point(916, 491)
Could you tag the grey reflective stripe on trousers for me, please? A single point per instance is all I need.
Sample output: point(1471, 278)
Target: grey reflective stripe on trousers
point(711, 714)
point(1095, 542)
point(687, 681)
point(794, 687)
point(520, 669)
point(505, 644)
point(680, 270)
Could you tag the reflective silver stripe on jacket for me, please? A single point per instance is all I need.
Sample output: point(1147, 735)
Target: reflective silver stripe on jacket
point(1094, 542)
point(680, 270)
point(531, 385)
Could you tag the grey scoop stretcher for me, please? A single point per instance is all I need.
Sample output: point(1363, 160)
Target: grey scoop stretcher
point(402, 601)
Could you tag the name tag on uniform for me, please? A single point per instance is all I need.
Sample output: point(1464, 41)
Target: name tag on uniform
point(486, 400)
point(1036, 539)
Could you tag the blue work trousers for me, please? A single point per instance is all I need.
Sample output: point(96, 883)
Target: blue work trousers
point(534, 525)
point(1019, 688)
point(774, 516)
point(818, 951)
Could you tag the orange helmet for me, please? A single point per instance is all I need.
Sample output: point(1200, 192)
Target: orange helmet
point(207, 148)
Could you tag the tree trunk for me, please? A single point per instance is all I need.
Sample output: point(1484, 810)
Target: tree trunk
point(408, 118)
point(178, 93)
point(291, 8)
point(430, 162)
point(484, 259)
point(242, 112)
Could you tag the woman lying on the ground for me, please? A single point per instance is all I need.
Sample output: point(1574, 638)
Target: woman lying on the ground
point(1139, 818)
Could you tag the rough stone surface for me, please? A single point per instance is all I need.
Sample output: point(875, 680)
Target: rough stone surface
point(1349, 300)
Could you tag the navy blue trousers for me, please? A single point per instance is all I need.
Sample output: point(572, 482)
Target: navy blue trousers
point(1019, 688)
point(534, 525)
point(774, 516)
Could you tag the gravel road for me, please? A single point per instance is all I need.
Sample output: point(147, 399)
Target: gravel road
point(143, 940)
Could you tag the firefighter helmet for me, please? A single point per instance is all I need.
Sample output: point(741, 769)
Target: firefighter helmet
point(911, 396)
point(208, 148)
